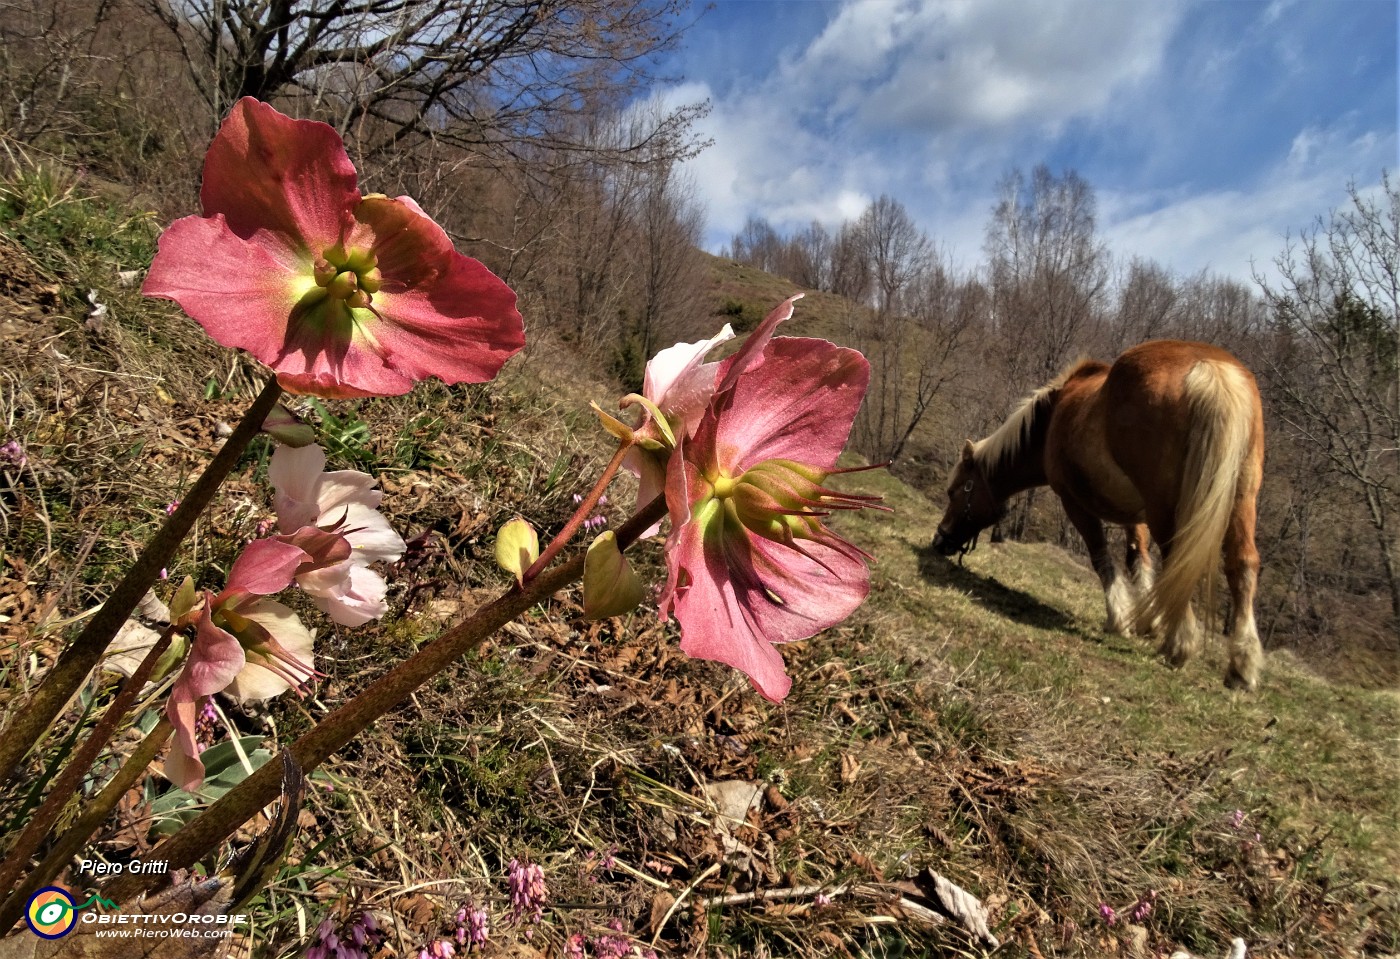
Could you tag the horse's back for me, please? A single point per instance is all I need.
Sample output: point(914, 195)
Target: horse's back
point(1157, 369)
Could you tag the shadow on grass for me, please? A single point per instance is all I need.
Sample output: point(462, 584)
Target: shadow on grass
point(996, 597)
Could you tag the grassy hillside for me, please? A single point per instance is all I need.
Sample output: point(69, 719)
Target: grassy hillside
point(972, 720)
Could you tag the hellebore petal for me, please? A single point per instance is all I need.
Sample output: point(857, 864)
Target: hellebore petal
point(239, 291)
point(344, 502)
point(295, 475)
point(280, 660)
point(610, 587)
point(517, 548)
point(340, 294)
point(750, 356)
point(288, 184)
point(265, 566)
point(800, 410)
point(680, 383)
point(182, 764)
point(349, 593)
point(215, 659)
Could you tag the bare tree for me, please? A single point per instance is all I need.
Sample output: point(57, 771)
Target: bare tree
point(809, 257)
point(1048, 269)
point(668, 220)
point(895, 250)
point(757, 245)
point(850, 268)
point(1337, 301)
point(1148, 301)
point(474, 73)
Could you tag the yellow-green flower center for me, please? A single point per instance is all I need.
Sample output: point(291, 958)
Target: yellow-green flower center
point(350, 276)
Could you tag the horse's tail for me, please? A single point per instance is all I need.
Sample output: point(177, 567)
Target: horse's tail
point(1220, 417)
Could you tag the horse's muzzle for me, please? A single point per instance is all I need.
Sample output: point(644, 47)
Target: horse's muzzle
point(944, 544)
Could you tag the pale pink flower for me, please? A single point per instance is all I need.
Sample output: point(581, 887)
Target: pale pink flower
point(678, 384)
point(750, 563)
point(245, 644)
point(339, 506)
point(342, 294)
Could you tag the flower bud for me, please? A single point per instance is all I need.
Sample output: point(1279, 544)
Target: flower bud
point(610, 587)
point(286, 428)
point(183, 602)
point(517, 548)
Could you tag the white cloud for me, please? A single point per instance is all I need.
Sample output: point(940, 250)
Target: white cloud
point(1238, 232)
point(932, 102)
point(944, 68)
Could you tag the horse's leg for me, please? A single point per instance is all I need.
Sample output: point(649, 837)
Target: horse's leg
point(1139, 561)
point(1181, 639)
point(1118, 597)
point(1242, 572)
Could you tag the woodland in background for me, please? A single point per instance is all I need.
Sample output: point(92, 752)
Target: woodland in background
point(953, 353)
point(523, 126)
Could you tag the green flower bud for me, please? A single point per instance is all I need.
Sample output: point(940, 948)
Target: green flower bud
point(284, 426)
point(517, 548)
point(610, 587)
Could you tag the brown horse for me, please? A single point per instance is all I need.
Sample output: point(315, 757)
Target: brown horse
point(1170, 436)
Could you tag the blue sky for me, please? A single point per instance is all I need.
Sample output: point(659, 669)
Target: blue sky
point(1207, 129)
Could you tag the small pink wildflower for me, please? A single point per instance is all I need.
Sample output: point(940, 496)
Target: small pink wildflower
point(1107, 913)
point(822, 900)
point(614, 946)
point(528, 892)
point(171, 507)
point(472, 927)
point(327, 944)
point(1143, 907)
point(360, 941)
point(573, 947)
point(342, 294)
point(12, 454)
point(1237, 819)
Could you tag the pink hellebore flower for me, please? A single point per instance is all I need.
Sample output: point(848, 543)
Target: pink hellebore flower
point(335, 518)
point(340, 293)
point(750, 563)
point(246, 645)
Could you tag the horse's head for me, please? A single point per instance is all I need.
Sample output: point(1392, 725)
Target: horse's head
point(972, 506)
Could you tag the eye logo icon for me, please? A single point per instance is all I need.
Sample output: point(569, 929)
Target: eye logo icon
point(51, 913)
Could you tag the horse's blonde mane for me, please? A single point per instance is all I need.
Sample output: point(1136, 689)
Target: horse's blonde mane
point(1008, 439)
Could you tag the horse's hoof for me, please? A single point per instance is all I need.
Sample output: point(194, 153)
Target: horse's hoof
point(1174, 655)
point(1234, 680)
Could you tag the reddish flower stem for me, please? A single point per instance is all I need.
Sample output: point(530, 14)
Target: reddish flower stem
point(589, 503)
point(65, 785)
point(31, 720)
point(238, 805)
